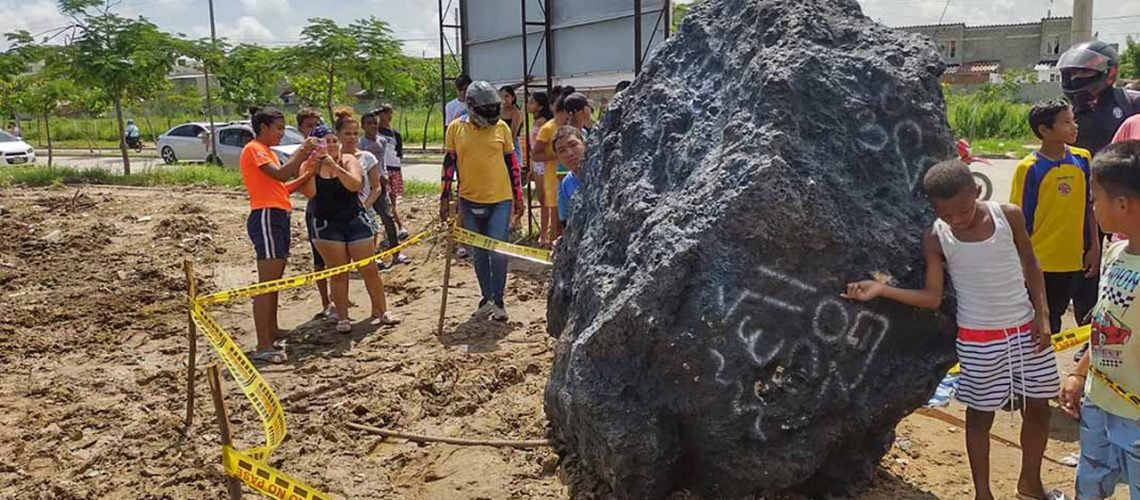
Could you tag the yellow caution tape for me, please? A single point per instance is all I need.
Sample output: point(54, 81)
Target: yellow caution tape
point(305, 279)
point(265, 479)
point(465, 237)
point(1061, 341)
point(1129, 396)
point(250, 381)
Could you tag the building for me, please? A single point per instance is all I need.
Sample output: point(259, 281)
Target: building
point(977, 54)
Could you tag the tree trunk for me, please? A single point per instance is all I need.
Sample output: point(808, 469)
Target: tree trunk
point(329, 94)
point(88, 134)
point(47, 128)
point(122, 134)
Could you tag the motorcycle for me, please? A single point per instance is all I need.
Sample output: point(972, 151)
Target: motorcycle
point(135, 143)
point(982, 180)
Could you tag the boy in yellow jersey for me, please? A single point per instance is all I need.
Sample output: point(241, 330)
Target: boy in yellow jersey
point(1051, 186)
point(1108, 376)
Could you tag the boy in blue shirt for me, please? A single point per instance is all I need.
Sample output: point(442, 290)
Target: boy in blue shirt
point(570, 146)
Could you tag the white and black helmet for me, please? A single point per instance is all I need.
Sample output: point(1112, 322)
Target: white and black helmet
point(484, 104)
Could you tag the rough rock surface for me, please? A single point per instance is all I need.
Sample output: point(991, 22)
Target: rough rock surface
point(768, 154)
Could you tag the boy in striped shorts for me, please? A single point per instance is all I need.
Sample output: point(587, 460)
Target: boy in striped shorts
point(1004, 335)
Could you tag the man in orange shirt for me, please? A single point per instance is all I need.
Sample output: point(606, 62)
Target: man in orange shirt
point(268, 222)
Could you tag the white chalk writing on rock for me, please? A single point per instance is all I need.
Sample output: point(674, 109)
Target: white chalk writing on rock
point(848, 333)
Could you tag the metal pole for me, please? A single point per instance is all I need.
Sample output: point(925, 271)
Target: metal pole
point(549, 30)
point(442, 67)
point(636, 37)
point(206, 71)
point(526, 121)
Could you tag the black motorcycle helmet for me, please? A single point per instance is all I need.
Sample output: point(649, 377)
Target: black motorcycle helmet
point(1095, 56)
point(483, 104)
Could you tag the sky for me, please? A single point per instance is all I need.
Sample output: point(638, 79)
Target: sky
point(279, 22)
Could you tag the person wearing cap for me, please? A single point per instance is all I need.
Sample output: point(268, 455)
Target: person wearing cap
point(480, 148)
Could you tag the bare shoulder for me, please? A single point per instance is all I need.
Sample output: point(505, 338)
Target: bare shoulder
point(930, 242)
point(1012, 213)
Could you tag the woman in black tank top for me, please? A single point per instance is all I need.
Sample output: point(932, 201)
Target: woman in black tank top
point(342, 231)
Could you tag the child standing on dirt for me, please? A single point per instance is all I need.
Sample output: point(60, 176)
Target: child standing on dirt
point(268, 222)
point(393, 162)
point(570, 145)
point(1110, 418)
point(1003, 338)
point(1051, 187)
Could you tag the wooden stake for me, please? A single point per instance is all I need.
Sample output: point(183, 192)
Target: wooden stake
point(192, 337)
point(446, 280)
point(223, 419)
point(420, 438)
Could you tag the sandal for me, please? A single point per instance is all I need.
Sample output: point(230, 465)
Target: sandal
point(385, 319)
point(344, 326)
point(272, 356)
point(1049, 495)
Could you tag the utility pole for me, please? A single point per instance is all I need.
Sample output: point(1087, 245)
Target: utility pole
point(1082, 21)
point(206, 72)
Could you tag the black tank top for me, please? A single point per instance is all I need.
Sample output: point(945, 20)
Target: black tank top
point(334, 201)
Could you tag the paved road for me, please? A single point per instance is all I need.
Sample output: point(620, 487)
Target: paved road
point(999, 171)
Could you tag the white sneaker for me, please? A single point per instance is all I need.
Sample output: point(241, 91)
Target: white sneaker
point(484, 310)
point(461, 252)
point(499, 314)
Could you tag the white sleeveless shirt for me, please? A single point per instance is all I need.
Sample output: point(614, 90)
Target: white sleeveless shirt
point(987, 276)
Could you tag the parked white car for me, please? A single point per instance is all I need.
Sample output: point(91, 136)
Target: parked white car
point(186, 142)
point(14, 151)
point(232, 138)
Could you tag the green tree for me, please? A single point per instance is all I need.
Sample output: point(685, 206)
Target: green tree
point(124, 58)
point(42, 95)
point(249, 76)
point(378, 63)
point(312, 89)
point(13, 63)
point(1130, 59)
point(328, 51)
point(680, 10)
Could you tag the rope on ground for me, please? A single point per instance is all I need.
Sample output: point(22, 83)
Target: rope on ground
point(419, 438)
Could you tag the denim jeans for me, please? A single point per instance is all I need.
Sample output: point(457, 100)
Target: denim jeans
point(490, 268)
point(1110, 454)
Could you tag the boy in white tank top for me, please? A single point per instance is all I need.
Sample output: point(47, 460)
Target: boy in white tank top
point(1003, 336)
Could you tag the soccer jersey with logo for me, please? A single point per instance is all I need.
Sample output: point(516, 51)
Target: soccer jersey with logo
point(1054, 196)
point(1115, 350)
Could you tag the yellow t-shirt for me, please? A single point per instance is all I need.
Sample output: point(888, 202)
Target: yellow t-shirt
point(484, 176)
point(1054, 196)
point(550, 175)
point(1115, 350)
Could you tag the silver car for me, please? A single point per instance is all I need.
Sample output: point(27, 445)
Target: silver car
point(186, 142)
point(232, 138)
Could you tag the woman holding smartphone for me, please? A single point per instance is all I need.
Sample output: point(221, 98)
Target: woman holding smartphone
point(343, 231)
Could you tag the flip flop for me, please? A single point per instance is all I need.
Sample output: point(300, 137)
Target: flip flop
point(273, 356)
point(344, 326)
point(1050, 495)
point(385, 320)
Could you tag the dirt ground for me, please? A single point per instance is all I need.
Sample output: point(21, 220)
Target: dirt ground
point(93, 357)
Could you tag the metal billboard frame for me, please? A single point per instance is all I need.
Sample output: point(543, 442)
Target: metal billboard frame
point(662, 25)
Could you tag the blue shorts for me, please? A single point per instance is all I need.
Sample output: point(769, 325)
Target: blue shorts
point(1110, 454)
point(353, 230)
point(268, 230)
point(311, 231)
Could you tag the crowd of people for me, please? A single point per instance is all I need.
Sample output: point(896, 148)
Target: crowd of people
point(1064, 238)
point(350, 173)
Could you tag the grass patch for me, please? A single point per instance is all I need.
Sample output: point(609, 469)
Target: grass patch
point(1001, 147)
point(180, 175)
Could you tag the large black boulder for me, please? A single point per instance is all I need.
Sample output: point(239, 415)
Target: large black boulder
point(770, 152)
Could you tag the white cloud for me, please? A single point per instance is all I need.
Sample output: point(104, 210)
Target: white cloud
point(38, 17)
point(246, 29)
point(265, 8)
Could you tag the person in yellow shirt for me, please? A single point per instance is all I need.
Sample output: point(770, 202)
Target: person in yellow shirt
point(1051, 187)
point(481, 148)
point(1107, 378)
point(544, 152)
